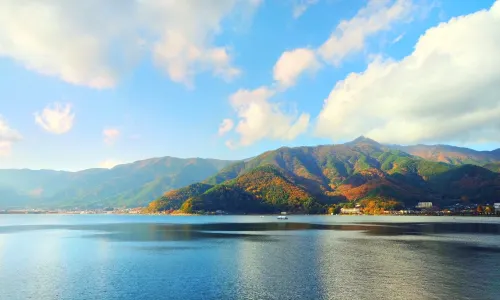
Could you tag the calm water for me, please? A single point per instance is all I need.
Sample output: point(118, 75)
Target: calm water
point(229, 257)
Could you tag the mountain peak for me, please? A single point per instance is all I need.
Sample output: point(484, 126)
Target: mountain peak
point(362, 140)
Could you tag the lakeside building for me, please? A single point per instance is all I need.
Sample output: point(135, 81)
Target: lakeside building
point(350, 211)
point(424, 205)
point(497, 207)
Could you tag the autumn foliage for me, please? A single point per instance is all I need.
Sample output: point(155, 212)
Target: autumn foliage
point(324, 179)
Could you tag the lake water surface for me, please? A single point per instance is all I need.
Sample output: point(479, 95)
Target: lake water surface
point(248, 257)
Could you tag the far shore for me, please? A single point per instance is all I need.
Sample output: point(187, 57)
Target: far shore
point(254, 215)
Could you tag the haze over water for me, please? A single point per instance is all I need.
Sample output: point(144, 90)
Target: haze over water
point(248, 257)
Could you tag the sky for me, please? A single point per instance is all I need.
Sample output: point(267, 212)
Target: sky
point(97, 83)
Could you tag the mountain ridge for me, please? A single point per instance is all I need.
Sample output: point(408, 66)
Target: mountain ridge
point(131, 184)
point(360, 170)
point(139, 182)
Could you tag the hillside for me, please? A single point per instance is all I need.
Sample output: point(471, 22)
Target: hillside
point(451, 154)
point(132, 184)
point(328, 174)
point(311, 179)
point(174, 199)
point(263, 189)
point(494, 167)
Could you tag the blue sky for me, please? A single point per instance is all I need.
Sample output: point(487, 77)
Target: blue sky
point(135, 80)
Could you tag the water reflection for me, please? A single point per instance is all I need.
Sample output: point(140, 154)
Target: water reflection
point(281, 270)
point(158, 232)
point(361, 268)
point(257, 260)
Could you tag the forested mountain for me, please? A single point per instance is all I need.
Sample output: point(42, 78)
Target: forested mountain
point(451, 154)
point(495, 167)
point(305, 179)
point(311, 179)
point(132, 184)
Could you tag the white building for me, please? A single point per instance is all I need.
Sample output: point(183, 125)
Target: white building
point(424, 205)
point(497, 207)
point(356, 210)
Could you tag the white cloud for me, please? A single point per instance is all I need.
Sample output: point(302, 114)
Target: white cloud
point(7, 133)
point(292, 64)
point(398, 38)
point(109, 163)
point(92, 42)
point(110, 135)
point(231, 144)
point(225, 126)
point(350, 35)
point(63, 39)
point(446, 90)
point(56, 118)
point(300, 7)
point(185, 47)
point(260, 118)
point(8, 137)
point(5, 148)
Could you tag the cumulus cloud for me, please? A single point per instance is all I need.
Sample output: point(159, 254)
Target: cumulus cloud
point(8, 137)
point(300, 7)
point(350, 35)
point(446, 90)
point(109, 164)
point(56, 118)
point(92, 42)
point(259, 118)
point(186, 44)
point(110, 135)
point(225, 126)
point(293, 63)
point(67, 40)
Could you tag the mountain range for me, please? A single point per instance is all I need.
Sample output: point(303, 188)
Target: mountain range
point(302, 179)
point(130, 185)
point(314, 179)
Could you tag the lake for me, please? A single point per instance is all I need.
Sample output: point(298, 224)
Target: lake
point(248, 257)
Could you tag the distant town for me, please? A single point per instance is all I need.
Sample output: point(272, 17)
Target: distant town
point(422, 208)
point(429, 209)
point(75, 211)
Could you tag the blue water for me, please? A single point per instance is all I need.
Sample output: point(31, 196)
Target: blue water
point(248, 257)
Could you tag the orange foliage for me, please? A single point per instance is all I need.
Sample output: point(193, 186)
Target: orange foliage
point(376, 207)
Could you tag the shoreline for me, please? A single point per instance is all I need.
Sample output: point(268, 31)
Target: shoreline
point(249, 215)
